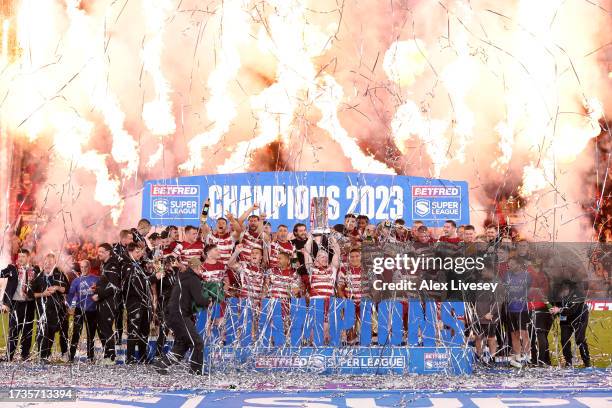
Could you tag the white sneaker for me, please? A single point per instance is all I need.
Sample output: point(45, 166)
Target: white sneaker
point(514, 361)
point(107, 362)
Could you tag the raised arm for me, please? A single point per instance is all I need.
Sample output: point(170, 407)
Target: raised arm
point(236, 226)
point(266, 248)
point(308, 261)
point(246, 213)
point(233, 261)
point(336, 248)
point(205, 229)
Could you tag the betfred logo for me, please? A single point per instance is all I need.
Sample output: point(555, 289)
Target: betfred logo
point(174, 190)
point(435, 191)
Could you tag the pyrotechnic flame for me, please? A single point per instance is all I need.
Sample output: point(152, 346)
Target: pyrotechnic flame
point(479, 74)
point(328, 101)
point(5, 187)
point(82, 33)
point(157, 114)
point(220, 108)
point(71, 132)
point(287, 38)
point(458, 78)
point(4, 57)
point(155, 157)
point(296, 83)
point(506, 141)
point(408, 121)
point(564, 147)
point(404, 61)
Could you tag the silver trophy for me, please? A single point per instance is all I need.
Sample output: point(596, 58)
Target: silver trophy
point(319, 221)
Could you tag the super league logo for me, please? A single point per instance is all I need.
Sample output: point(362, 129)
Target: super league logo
point(160, 206)
point(421, 207)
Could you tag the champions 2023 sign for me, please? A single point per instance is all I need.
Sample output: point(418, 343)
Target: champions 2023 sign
point(285, 197)
point(306, 345)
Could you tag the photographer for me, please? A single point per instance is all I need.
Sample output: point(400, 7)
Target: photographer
point(180, 316)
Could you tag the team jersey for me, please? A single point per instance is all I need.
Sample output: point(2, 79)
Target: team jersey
point(354, 234)
point(169, 249)
point(276, 248)
point(281, 282)
point(351, 278)
point(185, 251)
point(225, 245)
point(322, 281)
point(251, 280)
point(213, 272)
point(444, 238)
point(249, 242)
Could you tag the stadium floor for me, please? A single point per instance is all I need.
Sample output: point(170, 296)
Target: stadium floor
point(483, 398)
point(332, 399)
point(96, 386)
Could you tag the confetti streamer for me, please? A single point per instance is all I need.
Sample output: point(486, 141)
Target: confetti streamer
point(96, 97)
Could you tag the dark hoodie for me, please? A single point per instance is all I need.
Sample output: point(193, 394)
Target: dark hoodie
point(186, 293)
point(109, 285)
point(136, 285)
point(570, 296)
point(52, 307)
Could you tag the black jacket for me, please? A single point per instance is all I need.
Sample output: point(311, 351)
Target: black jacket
point(164, 286)
point(52, 307)
point(135, 283)
point(109, 285)
point(120, 252)
point(12, 275)
point(569, 295)
point(186, 293)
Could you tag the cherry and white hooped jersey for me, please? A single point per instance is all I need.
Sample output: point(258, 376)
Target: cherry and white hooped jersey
point(322, 281)
point(249, 242)
point(351, 277)
point(276, 248)
point(281, 282)
point(225, 244)
point(213, 272)
point(169, 249)
point(184, 251)
point(251, 280)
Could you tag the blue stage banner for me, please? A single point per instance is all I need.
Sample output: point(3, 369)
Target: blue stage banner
point(285, 197)
point(344, 360)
